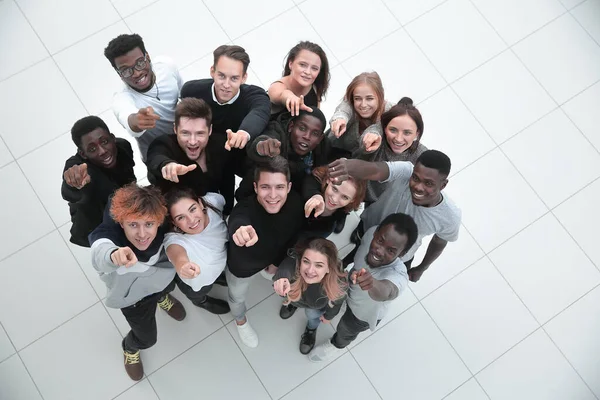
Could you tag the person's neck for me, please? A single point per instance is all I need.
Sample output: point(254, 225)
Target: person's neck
point(437, 201)
point(223, 101)
point(327, 212)
point(201, 160)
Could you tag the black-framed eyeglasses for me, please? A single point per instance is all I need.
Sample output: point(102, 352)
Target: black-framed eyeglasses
point(139, 65)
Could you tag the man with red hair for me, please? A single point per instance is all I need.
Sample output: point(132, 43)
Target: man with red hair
point(127, 250)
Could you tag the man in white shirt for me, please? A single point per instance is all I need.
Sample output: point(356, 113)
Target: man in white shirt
point(145, 105)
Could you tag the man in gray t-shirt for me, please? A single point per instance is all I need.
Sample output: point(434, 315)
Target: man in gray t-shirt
point(377, 277)
point(415, 191)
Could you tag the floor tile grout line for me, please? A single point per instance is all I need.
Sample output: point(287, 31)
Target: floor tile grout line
point(447, 340)
point(28, 244)
point(224, 325)
point(559, 105)
point(134, 12)
point(364, 373)
point(571, 304)
point(184, 351)
point(316, 31)
point(77, 262)
point(418, 16)
point(247, 360)
point(16, 353)
point(314, 374)
point(463, 384)
point(134, 384)
point(216, 20)
point(581, 25)
point(264, 22)
point(53, 60)
point(569, 362)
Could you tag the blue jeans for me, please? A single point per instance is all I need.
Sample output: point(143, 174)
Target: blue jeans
point(313, 316)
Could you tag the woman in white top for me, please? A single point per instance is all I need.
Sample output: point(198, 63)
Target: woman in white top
point(197, 246)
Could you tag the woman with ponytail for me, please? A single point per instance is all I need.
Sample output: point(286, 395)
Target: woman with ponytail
point(316, 283)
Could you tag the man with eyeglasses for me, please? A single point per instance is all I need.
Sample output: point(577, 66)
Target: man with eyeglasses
point(145, 105)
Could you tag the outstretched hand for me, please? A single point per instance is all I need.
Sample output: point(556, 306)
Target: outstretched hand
point(294, 104)
point(245, 236)
point(77, 176)
point(171, 171)
point(123, 256)
point(363, 278)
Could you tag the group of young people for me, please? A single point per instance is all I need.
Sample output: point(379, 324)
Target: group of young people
point(299, 181)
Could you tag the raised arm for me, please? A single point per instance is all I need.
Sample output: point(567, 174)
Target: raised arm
point(341, 169)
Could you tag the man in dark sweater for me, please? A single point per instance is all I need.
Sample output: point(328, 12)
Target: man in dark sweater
point(101, 165)
point(261, 229)
point(240, 112)
point(183, 158)
point(299, 140)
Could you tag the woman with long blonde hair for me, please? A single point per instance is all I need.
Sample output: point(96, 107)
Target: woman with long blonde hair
point(316, 283)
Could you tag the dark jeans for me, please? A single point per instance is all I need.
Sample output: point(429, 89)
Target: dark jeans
point(141, 316)
point(348, 329)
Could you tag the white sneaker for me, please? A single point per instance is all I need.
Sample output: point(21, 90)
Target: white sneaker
point(266, 275)
point(324, 352)
point(247, 334)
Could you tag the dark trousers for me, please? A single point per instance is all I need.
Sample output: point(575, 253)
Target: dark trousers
point(141, 316)
point(348, 329)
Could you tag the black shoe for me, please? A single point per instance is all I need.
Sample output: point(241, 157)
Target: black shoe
point(215, 306)
point(307, 342)
point(221, 281)
point(287, 311)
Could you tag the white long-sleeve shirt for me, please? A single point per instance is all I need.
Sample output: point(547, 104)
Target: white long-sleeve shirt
point(162, 97)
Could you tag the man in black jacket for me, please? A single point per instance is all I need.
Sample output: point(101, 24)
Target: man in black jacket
point(240, 112)
point(299, 140)
point(261, 229)
point(186, 157)
point(101, 165)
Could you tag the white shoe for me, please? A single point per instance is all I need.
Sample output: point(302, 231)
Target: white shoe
point(266, 275)
point(248, 335)
point(324, 352)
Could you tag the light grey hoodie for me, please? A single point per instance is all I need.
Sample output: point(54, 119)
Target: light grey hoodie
point(127, 286)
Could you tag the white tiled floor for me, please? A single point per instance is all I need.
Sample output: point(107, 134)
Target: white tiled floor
point(510, 90)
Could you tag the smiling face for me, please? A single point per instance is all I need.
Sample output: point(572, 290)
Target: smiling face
point(339, 196)
point(140, 232)
point(305, 68)
point(400, 133)
point(313, 266)
point(140, 80)
point(100, 148)
point(272, 190)
point(192, 136)
point(425, 185)
point(365, 101)
point(228, 75)
point(189, 216)
point(386, 246)
point(306, 132)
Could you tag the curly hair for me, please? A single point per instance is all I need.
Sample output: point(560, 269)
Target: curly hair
point(138, 202)
point(334, 282)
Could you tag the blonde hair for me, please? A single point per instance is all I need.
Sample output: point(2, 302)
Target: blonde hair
point(334, 283)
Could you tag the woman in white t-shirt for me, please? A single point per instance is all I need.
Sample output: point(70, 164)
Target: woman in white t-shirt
point(197, 246)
